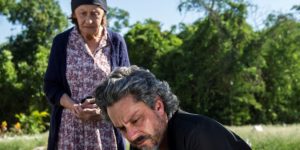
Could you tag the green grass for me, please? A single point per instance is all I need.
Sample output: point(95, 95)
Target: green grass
point(25, 142)
point(273, 137)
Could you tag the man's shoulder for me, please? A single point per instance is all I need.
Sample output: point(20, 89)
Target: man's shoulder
point(201, 131)
point(184, 128)
point(185, 124)
point(182, 117)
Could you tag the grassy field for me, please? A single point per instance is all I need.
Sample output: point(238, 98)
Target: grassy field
point(26, 142)
point(272, 137)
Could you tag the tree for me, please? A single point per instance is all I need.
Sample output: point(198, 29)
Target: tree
point(28, 52)
point(147, 43)
point(282, 71)
point(9, 87)
point(221, 65)
point(118, 19)
point(40, 21)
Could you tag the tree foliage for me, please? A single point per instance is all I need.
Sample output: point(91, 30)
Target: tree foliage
point(40, 20)
point(25, 55)
point(282, 71)
point(217, 66)
point(118, 19)
point(9, 86)
point(223, 68)
point(147, 43)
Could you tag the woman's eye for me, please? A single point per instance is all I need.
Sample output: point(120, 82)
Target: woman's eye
point(96, 14)
point(83, 14)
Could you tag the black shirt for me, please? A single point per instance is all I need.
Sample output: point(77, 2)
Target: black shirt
point(188, 131)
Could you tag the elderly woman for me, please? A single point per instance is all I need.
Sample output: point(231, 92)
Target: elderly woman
point(80, 58)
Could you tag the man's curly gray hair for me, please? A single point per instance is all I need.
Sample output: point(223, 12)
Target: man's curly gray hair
point(140, 83)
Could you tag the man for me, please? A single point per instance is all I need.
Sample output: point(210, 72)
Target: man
point(147, 113)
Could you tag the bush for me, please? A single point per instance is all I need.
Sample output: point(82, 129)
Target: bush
point(34, 123)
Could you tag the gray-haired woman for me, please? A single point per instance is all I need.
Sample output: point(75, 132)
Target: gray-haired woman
point(80, 58)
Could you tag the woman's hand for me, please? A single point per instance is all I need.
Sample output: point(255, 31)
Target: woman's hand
point(89, 114)
point(89, 103)
point(76, 109)
point(90, 111)
point(68, 103)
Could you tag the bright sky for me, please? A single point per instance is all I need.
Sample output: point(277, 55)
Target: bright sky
point(164, 11)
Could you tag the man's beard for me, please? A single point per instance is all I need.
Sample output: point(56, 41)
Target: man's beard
point(158, 136)
point(156, 147)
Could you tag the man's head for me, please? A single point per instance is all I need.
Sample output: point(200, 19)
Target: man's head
point(138, 104)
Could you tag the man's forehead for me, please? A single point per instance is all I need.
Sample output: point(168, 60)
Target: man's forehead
point(124, 109)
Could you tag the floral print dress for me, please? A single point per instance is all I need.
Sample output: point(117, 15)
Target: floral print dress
point(84, 72)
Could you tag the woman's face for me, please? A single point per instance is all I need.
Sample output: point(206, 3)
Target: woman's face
point(89, 19)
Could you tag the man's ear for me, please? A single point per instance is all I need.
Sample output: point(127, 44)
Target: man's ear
point(159, 105)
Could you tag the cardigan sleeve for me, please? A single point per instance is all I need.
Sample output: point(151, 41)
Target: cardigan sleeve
point(119, 54)
point(53, 81)
point(124, 59)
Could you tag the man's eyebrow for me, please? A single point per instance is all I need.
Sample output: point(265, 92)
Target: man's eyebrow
point(121, 127)
point(131, 117)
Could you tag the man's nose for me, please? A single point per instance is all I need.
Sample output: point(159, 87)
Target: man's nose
point(131, 134)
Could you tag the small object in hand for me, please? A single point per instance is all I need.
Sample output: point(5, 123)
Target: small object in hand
point(88, 98)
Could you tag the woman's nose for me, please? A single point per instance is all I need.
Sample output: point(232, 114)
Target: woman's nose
point(89, 20)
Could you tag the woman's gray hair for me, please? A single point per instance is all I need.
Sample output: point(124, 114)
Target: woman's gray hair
point(140, 83)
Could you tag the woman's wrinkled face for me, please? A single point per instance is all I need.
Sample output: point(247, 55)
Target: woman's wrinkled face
point(89, 19)
point(142, 126)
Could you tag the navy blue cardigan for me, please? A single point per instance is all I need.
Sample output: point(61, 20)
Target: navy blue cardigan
point(55, 82)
